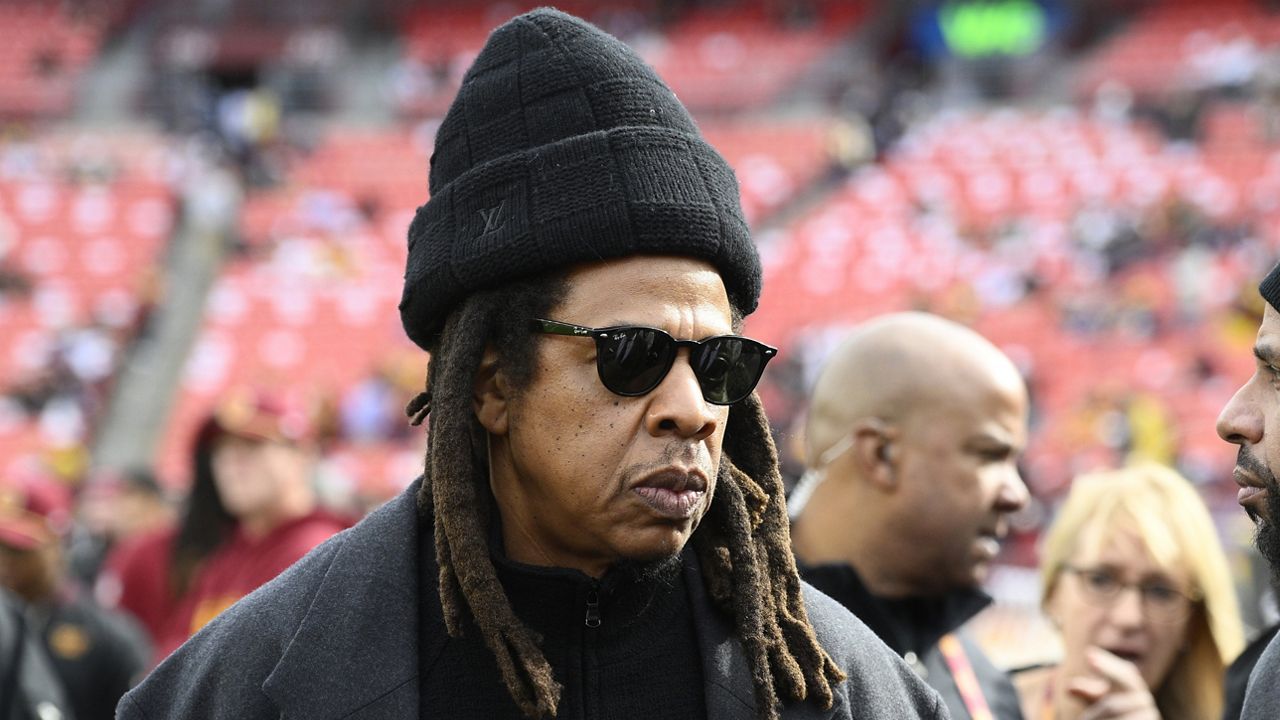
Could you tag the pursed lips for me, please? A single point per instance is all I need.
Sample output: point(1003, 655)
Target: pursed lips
point(673, 492)
point(1251, 488)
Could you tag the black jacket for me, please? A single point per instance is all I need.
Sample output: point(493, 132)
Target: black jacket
point(337, 635)
point(96, 653)
point(912, 627)
point(29, 689)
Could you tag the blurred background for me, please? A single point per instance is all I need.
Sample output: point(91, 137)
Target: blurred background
point(202, 195)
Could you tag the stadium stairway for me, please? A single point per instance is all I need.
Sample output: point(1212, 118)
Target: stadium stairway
point(108, 89)
point(144, 393)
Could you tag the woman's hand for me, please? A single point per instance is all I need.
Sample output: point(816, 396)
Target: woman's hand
point(1116, 690)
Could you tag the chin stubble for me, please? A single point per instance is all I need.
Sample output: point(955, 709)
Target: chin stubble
point(1267, 538)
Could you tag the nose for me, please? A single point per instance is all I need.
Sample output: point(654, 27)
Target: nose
point(677, 407)
point(1126, 611)
point(1240, 422)
point(1013, 495)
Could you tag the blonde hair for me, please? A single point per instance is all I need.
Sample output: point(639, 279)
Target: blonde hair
point(1167, 514)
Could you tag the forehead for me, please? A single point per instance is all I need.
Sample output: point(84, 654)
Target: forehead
point(1113, 540)
point(980, 408)
point(652, 290)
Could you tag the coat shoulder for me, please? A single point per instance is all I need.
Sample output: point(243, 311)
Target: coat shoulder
point(879, 683)
point(1262, 700)
point(219, 672)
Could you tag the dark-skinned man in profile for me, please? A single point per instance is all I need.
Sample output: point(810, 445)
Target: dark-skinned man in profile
point(913, 434)
point(1251, 420)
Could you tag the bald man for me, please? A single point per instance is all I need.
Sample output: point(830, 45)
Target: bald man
point(913, 435)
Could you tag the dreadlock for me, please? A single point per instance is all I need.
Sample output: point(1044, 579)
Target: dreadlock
point(743, 542)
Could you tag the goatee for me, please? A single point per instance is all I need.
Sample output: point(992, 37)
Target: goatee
point(1267, 538)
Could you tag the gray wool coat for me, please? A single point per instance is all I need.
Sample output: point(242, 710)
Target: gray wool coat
point(1262, 699)
point(336, 636)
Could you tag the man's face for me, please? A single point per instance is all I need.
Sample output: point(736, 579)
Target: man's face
point(959, 474)
point(31, 574)
point(584, 478)
point(1251, 420)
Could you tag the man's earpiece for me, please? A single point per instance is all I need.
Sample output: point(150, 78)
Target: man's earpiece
point(885, 451)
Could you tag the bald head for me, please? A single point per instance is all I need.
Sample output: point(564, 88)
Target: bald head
point(914, 429)
point(897, 365)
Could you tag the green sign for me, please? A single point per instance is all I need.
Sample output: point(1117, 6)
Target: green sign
point(999, 27)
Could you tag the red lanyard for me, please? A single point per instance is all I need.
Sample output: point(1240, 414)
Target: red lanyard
point(966, 681)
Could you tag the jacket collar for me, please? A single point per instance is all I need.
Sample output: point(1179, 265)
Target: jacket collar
point(912, 624)
point(355, 654)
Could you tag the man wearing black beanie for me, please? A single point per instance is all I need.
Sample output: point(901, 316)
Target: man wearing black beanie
point(1249, 421)
point(600, 530)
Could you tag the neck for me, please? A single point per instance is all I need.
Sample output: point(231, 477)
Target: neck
point(823, 535)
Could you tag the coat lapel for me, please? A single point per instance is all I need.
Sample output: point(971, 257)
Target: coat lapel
point(730, 691)
point(730, 694)
point(355, 654)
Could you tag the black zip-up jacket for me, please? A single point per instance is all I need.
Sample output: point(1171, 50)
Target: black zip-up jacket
point(351, 632)
point(912, 627)
point(621, 647)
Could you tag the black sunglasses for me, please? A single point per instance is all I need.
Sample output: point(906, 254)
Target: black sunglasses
point(633, 360)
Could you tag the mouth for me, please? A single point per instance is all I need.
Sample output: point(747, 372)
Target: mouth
point(988, 543)
point(1253, 493)
point(673, 493)
point(1133, 655)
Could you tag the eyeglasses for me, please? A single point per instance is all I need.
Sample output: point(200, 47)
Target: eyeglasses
point(1162, 600)
point(633, 360)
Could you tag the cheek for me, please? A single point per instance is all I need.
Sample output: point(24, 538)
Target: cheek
point(1169, 641)
point(1271, 445)
point(570, 431)
point(1080, 622)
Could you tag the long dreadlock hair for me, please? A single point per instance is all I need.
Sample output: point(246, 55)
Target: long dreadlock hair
point(743, 541)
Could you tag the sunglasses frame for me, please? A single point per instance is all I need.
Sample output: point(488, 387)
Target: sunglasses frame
point(555, 327)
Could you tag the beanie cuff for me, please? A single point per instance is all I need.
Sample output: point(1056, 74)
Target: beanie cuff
point(1270, 288)
point(596, 196)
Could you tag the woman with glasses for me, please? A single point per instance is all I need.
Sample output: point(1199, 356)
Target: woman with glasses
point(1134, 577)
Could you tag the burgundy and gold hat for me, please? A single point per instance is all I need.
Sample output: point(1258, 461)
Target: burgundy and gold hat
point(256, 414)
point(33, 512)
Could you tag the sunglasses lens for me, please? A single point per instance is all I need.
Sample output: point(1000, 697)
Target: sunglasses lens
point(728, 368)
point(634, 360)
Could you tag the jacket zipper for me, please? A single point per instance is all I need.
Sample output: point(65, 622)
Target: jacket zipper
point(593, 608)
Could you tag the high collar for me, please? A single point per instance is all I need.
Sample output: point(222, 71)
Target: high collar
point(909, 624)
point(622, 604)
point(550, 599)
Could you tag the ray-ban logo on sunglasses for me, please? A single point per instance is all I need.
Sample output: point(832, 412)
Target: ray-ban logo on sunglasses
point(632, 360)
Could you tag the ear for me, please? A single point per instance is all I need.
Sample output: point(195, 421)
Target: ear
point(490, 393)
point(875, 446)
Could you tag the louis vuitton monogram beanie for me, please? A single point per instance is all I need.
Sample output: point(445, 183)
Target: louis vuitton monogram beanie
point(561, 147)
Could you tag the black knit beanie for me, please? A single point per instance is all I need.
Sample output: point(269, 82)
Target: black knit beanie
point(564, 147)
point(1270, 287)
